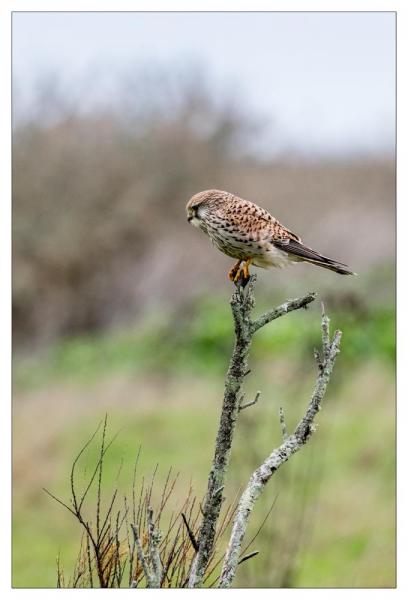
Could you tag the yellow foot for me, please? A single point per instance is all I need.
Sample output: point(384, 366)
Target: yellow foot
point(246, 268)
point(235, 271)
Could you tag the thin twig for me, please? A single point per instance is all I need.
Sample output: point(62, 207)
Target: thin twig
point(242, 406)
point(283, 424)
point(190, 533)
point(248, 556)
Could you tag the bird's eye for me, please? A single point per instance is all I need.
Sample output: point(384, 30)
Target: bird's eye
point(191, 214)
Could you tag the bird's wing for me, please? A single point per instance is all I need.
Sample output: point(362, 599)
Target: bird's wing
point(294, 245)
point(260, 223)
point(282, 235)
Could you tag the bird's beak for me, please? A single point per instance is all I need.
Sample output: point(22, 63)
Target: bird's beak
point(189, 219)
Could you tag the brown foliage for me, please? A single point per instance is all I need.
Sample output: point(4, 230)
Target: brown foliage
point(93, 196)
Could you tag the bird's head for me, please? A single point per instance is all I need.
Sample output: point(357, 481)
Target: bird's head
point(200, 204)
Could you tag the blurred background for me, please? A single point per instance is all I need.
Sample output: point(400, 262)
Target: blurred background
point(120, 307)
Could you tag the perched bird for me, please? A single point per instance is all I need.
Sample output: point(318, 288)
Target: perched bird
point(251, 235)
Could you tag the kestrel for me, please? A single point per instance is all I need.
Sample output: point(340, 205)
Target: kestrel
point(251, 235)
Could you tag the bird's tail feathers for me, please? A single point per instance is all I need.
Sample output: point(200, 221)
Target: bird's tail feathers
point(301, 252)
point(332, 265)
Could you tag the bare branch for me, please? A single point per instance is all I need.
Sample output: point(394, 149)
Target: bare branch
point(140, 554)
point(154, 555)
point(243, 406)
point(281, 310)
point(190, 533)
point(100, 468)
point(279, 456)
point(74, 500)
point(248, 556)
point(59, 501)
point(241, 306)
point(242, 303)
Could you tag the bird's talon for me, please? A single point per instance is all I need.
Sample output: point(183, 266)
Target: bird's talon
point(242, 276)
point(245, 269)
point(234, 272)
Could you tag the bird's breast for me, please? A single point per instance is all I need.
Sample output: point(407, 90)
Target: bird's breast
point(234, 243)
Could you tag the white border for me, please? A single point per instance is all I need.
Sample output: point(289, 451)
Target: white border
point(6, 7)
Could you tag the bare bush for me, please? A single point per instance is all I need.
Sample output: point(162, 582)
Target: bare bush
point(115, 548)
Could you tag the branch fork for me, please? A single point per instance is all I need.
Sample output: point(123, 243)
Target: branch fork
point(242, 304)
point(291, 444)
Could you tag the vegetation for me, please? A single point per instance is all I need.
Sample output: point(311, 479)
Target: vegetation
point(200, 337)
point(120, 307)
point(166, 398)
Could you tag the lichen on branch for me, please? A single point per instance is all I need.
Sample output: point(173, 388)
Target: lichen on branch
point(242, 304)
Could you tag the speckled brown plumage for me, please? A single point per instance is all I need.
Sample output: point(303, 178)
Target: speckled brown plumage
point(250, 234)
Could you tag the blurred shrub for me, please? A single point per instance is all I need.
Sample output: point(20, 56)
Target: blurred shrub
point(93, 194)
point(99, 230)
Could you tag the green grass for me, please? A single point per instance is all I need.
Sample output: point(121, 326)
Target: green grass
point(344, 479)
point(201, 342)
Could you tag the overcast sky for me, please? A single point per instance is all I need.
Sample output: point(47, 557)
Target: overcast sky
point(326, 79)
